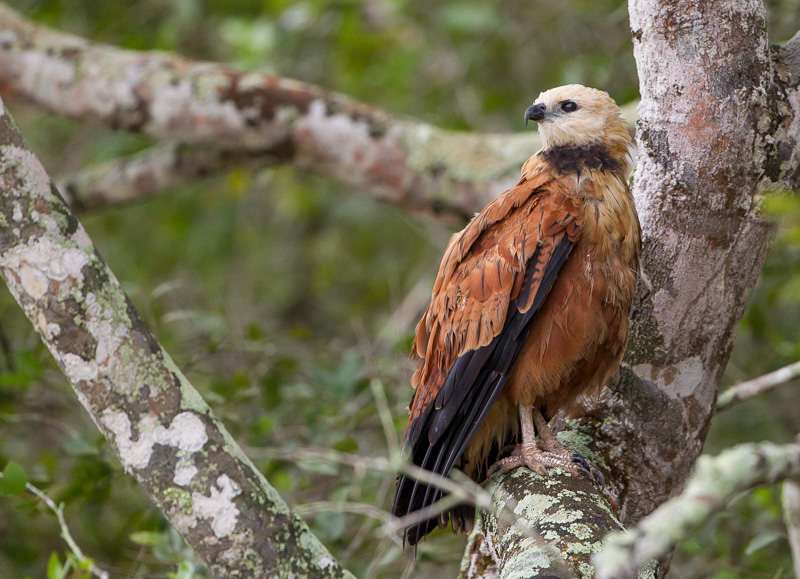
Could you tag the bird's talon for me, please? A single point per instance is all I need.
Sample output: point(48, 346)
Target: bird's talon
point(590, 471)
point(539, 469)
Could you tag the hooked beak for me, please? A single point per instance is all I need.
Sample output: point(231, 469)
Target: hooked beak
point(535, 113)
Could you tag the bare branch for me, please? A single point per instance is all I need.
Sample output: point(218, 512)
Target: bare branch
point(364, 509)
point(165, 435)
point(58, 511)
point(756, 386)
point(153, 171)
point(714, 483)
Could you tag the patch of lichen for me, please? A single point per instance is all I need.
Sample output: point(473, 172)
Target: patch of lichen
point(549, 524)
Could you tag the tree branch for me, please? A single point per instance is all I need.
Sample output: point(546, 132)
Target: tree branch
point(163, 432)
point(713, 484)
point(151, 172)
point(406, 163)
point(756, 386)
point(227, 118)
point(561, 521)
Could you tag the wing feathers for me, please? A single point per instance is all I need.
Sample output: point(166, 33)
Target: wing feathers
point(493, 278)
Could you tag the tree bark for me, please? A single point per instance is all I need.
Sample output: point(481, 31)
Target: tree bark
point(164, 433)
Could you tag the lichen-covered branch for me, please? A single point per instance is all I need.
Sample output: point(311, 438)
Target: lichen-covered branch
point(151, 172)
point(225, 117)
point(165, 435)
point(545, 526)
point(556, 523)
point(714, 483)
point(402, 162)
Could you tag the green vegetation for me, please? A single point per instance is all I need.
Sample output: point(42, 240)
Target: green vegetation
point(274, 291)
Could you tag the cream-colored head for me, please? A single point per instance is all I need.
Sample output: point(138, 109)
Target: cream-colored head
point(577, 115)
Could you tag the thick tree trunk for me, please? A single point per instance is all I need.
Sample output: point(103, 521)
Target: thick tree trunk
point(718, 123)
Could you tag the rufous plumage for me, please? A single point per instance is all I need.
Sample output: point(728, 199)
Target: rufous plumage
point(529, 311)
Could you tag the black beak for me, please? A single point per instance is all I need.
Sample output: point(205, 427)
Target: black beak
point(535, 113)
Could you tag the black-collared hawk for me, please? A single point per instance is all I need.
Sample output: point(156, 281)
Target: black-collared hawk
point(529, 311)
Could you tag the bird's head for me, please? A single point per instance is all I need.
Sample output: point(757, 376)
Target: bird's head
point(575, 115)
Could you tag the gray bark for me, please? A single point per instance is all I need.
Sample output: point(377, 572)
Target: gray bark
point(164, 433)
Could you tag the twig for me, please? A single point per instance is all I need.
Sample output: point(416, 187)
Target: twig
point(430, 512)
point(58, 510)
point(791, 518)
point(756, 386)
point(379, 393)
point(469, 492)
point(715, 481)
point(343, 507)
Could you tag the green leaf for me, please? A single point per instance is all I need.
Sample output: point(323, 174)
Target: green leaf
point(54, 568)
point(760, 541)
point(185, 571)
point(13, 481)
point(148, 538)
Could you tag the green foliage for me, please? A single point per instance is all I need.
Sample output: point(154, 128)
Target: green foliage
point(13, 481)
point(274, 291)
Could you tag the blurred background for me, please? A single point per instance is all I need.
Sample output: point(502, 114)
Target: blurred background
point(284, 297)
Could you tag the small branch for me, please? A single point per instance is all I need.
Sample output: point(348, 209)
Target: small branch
point(714, 483)
point(756, 386)
point(58, 511)
point(343, 507)
point(791, 517)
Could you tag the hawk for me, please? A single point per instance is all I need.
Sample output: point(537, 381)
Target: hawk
point(529, 311)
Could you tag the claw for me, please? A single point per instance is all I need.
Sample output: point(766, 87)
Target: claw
point(589, 470)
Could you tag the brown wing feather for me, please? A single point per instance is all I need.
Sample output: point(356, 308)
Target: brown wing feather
point(493, 277)
point(482, 272)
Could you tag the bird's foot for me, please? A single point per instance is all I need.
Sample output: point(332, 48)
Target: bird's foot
point(580, 465)
point(534, 458)
point(538, 457)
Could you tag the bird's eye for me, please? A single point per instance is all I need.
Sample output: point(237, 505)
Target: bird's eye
point(569, 106)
